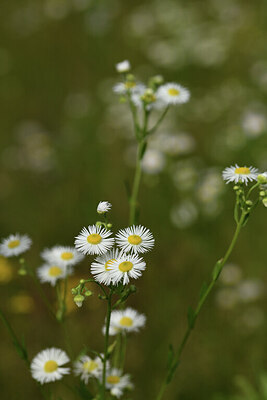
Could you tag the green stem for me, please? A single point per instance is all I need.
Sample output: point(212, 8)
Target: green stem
point(20, 348)
point(41, 292)
point(106, 345)
point(161, 118)
point(176, 359)
point(136, 184)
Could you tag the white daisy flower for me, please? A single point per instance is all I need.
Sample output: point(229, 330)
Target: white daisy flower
point(46, 365)
point(88, 368)
point(137, 239)
point(100, 267)
point(238, 174)
point(103, 207)
point(94, 240)
point(128, 320)
point(62, 256)
point(116, 382)
point(128, 86)
point(52, 273)
point(172, 93)
point(123, 66)
point(126, 266)
point(14, 245)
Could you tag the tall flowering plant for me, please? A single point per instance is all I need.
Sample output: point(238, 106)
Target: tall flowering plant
point(119, 261)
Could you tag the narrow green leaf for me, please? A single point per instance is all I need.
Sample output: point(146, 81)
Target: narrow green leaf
point(111, 347)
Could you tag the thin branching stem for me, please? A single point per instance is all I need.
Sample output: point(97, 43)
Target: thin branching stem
point(176, 358)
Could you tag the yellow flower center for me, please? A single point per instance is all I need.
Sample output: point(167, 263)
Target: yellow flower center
point(107, 264)
point(126, 321)
point(94, 238)
point(55, 271)
point(130, 85)
point(173, 92)
point(134, 239)
point(90, 366)
point(125, 266)
point(50, 366)
point(242, 170)
point(113, 379)
point(67, 255)
point(13, 243)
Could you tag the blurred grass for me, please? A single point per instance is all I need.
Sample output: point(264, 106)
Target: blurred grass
point(52, 51)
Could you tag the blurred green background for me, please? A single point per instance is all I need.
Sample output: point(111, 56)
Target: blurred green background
point(67, 143)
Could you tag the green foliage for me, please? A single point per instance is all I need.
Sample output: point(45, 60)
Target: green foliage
point(246, 390)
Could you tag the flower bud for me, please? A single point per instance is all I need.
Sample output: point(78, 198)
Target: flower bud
point(78, 299)
point(88, 293)
point(262, 178)
point(264, 201)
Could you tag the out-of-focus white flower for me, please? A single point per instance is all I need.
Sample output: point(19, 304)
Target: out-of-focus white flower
point(240, 174)
point(227, 298)
point(172, 94)
point(62, 255)
point(123, 66)
point(88, 368)
point(254, 124)
point(184, 214)
point(231, 274)
point(46, 365)
point(128, 320)
point(116, 382)
point(153, 162)
point(173, 144)
point(15, 245)
point(128, 87)
point(103, 207)
point(52, 273)
point(250, 290)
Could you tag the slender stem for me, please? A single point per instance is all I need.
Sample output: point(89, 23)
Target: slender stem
point(155, 127)
point(106, 345)
point(20, 348)
point(203, 299)
point(41, 292)
point(136, 184)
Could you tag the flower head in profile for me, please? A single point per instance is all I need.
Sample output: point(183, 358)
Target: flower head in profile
point(172, 93)
point(130, 86)
point(117, 383)
point(62, 256)
point(238, 174)
point(100, 267)
point(15, 245)
point(94, 240)
point(88, 368)
point(103, 207)
point(136, 239)
point(123, 66)
point(126, 266)
point(51, 273)
point(128, 320)
point(47, 365)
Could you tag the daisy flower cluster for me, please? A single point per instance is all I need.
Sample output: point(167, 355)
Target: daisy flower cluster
point(49, 366)
point(115, 265)
point(155, 95)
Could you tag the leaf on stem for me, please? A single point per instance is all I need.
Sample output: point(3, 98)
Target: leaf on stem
point(203, 290)
point(111, 347)
point(217, 270)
